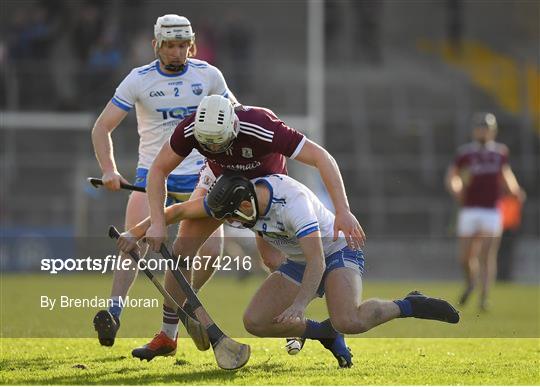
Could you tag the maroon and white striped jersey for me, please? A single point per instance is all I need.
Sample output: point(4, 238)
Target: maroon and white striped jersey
point(260, 148)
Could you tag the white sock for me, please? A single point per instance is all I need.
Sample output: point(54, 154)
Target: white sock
point(171, 330)
point(170, 322)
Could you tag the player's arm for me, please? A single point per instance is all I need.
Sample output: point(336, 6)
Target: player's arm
point(312, 248)
point(318, 157)
point(510, 182)
point(220, 87)
point(107, 121)
point(192, 209)
point(232, 98)
point(454, 182)
point(163, 165)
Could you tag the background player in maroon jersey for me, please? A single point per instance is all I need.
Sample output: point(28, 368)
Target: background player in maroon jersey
point(477, 178)
point(248, 140)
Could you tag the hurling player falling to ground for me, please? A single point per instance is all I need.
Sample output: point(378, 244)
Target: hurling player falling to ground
point(477, 179)
point(249, 140)
point(292, 219)
point(162, 92)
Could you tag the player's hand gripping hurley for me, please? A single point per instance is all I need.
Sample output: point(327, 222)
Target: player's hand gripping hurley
point(230, 354)
point(97, 182)
point(193, 327)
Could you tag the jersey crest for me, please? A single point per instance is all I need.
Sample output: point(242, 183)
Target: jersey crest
point(247, 153)
point(197, 88)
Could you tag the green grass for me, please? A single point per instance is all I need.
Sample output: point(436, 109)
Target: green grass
point(377, 361)
point(58, 347)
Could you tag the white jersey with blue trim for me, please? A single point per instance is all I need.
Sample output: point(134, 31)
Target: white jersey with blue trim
point(295, 211)
point(162, 100)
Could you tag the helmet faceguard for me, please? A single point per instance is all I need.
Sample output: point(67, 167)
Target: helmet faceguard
point(172, 27)
point(227, 194)
point(216, 124)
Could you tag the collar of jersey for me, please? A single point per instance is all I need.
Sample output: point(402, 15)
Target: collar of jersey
point(172, 75)
point(488, 145)
point(269, 186)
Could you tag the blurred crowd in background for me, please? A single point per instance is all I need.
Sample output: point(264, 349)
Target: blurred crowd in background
point(76, 52)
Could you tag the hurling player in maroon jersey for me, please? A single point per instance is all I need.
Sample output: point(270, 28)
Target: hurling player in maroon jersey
point(248, 140)
point(478, 177)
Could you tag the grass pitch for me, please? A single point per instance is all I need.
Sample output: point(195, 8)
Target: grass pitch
point(377, 361)
point(497, 348)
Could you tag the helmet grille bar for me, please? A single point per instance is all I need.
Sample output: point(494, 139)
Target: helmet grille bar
point(215, 124)
point(176, 25)
point(221, 116)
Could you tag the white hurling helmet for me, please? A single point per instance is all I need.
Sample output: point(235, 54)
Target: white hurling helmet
point(172, 27)
point(216, 124)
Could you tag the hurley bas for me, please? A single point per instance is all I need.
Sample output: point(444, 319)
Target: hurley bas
point(95, 302)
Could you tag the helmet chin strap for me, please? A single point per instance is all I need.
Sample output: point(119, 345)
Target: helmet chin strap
point(250, 220)
point(170, 67)
point(175, 68)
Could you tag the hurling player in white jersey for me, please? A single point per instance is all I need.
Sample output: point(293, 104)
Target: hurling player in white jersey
point(162, 92)
point(252, 141)
point(292, 219)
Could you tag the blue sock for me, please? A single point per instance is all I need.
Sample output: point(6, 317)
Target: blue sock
point(405, 307)
point(322, 330)
point(115, 309)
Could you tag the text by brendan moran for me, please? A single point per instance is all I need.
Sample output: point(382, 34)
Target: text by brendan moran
point(51, 303)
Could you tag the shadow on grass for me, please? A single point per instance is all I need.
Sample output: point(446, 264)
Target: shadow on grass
point(121, 377)
point(176, 375)
point(44, 362)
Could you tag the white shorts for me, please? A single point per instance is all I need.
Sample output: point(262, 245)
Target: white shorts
point(206, 178)
point(474, 221)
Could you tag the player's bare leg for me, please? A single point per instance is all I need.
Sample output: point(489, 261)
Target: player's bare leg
point(136, 211)
point(192, 233)
point(347, 312)
point(272, 258)
point(212, 249)
point(349, 315)
point(275, 295)
point(194, 238)
point(489, 247)
point(469, 263)
point(107, 322)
